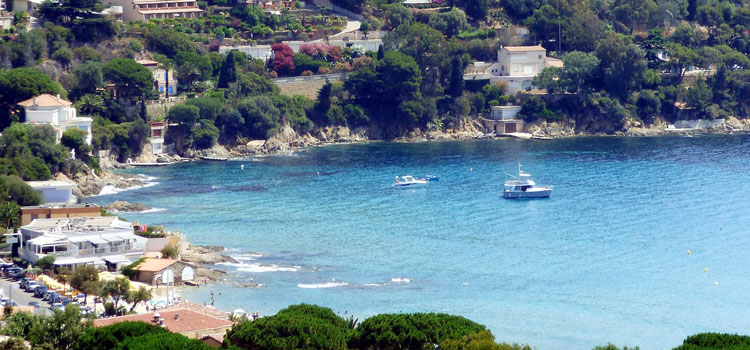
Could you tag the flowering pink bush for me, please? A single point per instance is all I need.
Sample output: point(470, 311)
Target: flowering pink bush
point(321, 51)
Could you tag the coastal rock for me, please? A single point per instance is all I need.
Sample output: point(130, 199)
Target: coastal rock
point(203, 254)
point(123, 207)
point(91, 184)
point(216, 151)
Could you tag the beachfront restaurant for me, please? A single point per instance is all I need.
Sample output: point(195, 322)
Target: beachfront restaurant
point(105, 242)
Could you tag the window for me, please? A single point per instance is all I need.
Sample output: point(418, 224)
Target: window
point(540, 57)
point(171, 91)
point(161, 88)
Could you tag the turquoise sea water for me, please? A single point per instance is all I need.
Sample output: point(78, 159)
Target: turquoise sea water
point(604, 260)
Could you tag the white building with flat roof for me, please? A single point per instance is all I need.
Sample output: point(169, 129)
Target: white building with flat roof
point(516, 66)
point(143, 10)
point(104, 241)
point(54, 111)
point(55, 192)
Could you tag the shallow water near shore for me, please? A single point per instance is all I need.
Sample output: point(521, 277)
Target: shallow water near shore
point(604, 260)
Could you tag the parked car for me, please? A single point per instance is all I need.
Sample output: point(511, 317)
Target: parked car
point(31, 285)
point(12, 272)
point(4, 301)
point(18, 275)
point(65, 300)
point(53, 298)
point(24, 281)
point(40, 291)
point(35, 304)
point(86, 310)
point(57, 306)
point(47, 294)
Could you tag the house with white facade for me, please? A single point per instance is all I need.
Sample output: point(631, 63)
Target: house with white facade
point(158, 129)
point(54, 192)
point(54, 111)
point(164, 80)
point(502, 120)
point(516, 66)
point(6, 19)
point(104, 241)
point(143, 10)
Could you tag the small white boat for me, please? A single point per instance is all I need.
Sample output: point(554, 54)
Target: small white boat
point(524, 187)
point(409, 181)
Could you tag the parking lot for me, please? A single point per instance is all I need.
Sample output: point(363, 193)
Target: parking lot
point(10, 289)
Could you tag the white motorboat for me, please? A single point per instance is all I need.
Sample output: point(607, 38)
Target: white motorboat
point(524, 187)
point(409, 181)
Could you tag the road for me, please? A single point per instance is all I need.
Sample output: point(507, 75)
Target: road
point(11, 289)
point(331, 77)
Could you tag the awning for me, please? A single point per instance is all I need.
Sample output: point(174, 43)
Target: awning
point(96, 240)
point(47, 239)
point(112, 238)
point(75, 239)
point(78, 260)
point(116, 259)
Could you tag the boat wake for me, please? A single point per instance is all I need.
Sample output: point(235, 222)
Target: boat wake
point(322, 285)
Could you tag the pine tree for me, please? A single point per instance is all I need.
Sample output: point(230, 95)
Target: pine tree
point(228, 72)
point(456, 88)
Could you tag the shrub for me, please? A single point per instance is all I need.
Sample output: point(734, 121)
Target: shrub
point(413, 331)
point(296, 327)
point(170, 251)
point(307, 73)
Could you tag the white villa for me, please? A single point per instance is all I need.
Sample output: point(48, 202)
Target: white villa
point(55, 192)
point(54, 111)
point(104, 241)
point(516, 65)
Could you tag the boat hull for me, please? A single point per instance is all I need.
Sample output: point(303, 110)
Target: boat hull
point(527, 194)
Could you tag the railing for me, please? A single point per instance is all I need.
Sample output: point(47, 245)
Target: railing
point(90, 251)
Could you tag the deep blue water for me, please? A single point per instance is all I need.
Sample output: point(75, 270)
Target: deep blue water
point(604, 260)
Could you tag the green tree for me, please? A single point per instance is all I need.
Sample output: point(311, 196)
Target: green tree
point(131, 79)
point(76, 139)
point(59, 331)
point(577, 71)
point(185, 114)
point(20, 192)
point(142, 294)
point(228, 72)
point(9, 213)
point(548, 79)
point(296, 327)
point(477, 9)
point(135, 336)
point(192, 67)
point(649, 105)
point(681, 58)
point(90, 104)
point(89, 76)
point(483, 340)
point(450, 23)
point(261, 116)
point(398, 14)
point(86, 279)
point(699, 95)
point(633, 12)
point(413, 331)
point(621, 65)
point(20, 84)
point(456, 88)
point(168, 41)
point(46, 263)
point(118, 289)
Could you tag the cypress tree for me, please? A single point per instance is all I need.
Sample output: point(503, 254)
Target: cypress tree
point(381, 52)
point(692, 9)
point(144, 113)
point(228, 72)
point(456, 88)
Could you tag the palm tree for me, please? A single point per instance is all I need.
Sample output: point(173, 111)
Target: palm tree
point(91, 104)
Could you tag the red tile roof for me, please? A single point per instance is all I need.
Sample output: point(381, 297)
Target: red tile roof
point(179, 321)
point(206, 310)
point(155, 265)
point(45, 100)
